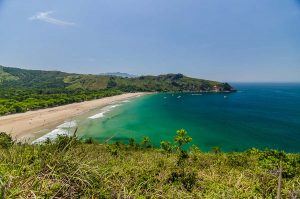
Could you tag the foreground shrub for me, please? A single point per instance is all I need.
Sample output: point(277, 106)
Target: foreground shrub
point(68, 168)
point(146, 142)
point(186, 179)
point(64, 143)
point(181, 139)
point(166, 146)
point(5, 140)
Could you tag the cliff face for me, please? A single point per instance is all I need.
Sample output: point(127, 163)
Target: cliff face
point(15, 77)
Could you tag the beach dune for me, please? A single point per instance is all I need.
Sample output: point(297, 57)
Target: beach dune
point(25, 126)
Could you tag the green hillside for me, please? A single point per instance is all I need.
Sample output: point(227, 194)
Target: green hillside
point(22, 90)
point(15, 77)
point(33, 78)
point(6, 77)
point(69, 168)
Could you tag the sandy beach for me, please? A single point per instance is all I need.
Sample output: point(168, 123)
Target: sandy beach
point(24, 126)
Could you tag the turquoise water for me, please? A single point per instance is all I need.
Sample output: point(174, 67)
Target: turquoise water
point(258, 115)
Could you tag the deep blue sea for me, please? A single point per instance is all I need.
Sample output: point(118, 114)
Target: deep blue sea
point(257, 115)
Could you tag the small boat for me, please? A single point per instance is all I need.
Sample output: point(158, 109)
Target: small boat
point(179, 96)
point(225, 96)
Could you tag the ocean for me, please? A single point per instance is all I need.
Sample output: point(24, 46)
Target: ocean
point(257, 115)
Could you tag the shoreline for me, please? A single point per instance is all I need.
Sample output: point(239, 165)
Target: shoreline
point(28, 125)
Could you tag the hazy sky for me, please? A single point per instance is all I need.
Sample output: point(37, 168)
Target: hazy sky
point(226, 40)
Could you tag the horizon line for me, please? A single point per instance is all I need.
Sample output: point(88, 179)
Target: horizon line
point(138, 75)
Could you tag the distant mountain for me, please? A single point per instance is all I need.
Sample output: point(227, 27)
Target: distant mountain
point(21, 78)
point(118, 74)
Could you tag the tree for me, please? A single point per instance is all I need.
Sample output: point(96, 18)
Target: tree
point(216, 149)
point(181, 139)
point(146, 142)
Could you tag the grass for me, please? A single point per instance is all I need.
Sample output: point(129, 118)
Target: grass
point(70, 168)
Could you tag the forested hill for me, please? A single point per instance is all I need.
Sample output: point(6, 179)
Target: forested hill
point(20, 78)
point(22, 90)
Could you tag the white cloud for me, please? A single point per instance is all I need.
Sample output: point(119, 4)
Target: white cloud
point(45, 16)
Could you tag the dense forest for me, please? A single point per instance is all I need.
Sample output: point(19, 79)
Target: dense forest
point(22, 90)
point(22, 100)
point(72, 168)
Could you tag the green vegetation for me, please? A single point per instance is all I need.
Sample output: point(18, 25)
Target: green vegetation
point(22, 90)
point(21, 78)
point(71, 168)
point(22, 100)
point(4, 76)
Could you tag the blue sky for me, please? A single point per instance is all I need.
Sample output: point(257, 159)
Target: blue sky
point(232, 40)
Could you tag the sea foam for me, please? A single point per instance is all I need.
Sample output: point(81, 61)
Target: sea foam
point(98, 115)
point(103, 111)
point(114, 106)
point(60, 130)
point(69, 124)
point(52, 135)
